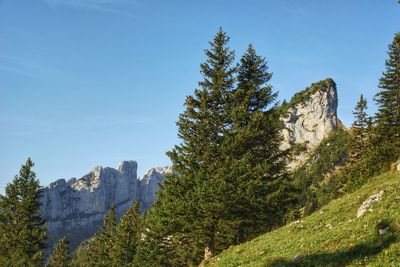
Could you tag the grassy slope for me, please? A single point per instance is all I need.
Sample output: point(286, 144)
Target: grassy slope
point(332, 236)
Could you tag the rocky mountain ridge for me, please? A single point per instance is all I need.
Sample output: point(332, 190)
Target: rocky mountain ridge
point(76, 207)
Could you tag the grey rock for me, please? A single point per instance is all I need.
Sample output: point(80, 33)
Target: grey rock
point(368, 203)
point(383, 231)
point(76, 207)
point(149, 185)
point(310, 121)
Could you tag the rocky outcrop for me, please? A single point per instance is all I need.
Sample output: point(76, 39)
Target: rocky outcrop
point(366, 205)
point(76, 207)
point(149, 185)
point(309, 117)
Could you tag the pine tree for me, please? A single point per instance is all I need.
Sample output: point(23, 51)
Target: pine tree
point(22, 230)
point(387, 118)
point(383, 140)
point(184, 222)
point(254, 164)
point(127, 237)
point(99, 250)
point(60, 257)
point(361, 128)
point(202, 128)
point(386, 134)
point(228, 181)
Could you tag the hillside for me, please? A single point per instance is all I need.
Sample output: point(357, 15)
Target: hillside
point(332, 236)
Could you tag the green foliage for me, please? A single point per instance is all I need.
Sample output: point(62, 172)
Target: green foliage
point(229, 182)
point(311, 178)
point(80, 255)
point(334, 236)
point(383, 146)
point(387, 119)
point(190, 207)
point(22, 230)
point(127, 237)
point(361, 131)
point(60, 257)
point(99, 250)
point(115, 244)
point(253, 164)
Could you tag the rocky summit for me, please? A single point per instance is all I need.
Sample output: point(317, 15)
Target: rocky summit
point(75, 208)
point(309, 117)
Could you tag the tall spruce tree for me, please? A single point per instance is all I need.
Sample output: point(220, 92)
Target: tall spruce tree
point(254, 165)
point(387, 119)
point(60, 256)
point(227, 181)
point(202, 127)
point(361, 128)
point(22, 230)
point(127, 237)
point(185, 220)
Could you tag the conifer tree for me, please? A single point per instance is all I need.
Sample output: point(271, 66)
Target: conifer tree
point(227, 183)
point(383, 132)
point(202, 128)
point(254, 164)
point(360, 131)
point(127, 237)
point(22, 230)
point(60, 257)
point(386, 140)
point(185, 220)
point(387, 118)
point(99, 250)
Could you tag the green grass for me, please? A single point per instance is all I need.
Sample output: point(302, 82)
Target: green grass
point(332, 236)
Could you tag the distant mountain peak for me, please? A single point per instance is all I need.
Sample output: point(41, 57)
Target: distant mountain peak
point(76, 207)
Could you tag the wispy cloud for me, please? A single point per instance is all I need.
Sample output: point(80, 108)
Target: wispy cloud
point(120, 7)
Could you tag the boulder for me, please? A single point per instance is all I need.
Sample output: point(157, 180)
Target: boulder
point(368, 203)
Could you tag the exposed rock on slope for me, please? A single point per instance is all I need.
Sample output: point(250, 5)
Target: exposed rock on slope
point(310, 116)
point(76, 207)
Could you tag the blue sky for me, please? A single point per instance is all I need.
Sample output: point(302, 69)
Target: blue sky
point(94, 82)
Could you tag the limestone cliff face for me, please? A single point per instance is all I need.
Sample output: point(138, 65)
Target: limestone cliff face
point(76, 207)
point(309, 117)
point(149, 185)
